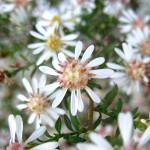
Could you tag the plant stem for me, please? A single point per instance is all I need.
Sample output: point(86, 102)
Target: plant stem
point(90, 114)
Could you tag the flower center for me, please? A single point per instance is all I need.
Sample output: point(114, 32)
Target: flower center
point(15, 146)
point(135, 70)
point(53, 43)
point(37, 103)
point(138, 23)
point(56, 18)
point(73, 74)
point(21, 3)
point(145, 47)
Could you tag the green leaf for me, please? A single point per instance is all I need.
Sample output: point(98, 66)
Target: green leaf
point(68, 122)
point(140, 125)
point(58, 125)
point(97, 122)
point(119, 105)
point(74, 139)
point(75, 122)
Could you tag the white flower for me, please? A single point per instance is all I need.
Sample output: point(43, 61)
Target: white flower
point(37, 103)
point(130, 20)
point(99, 143)
point(53, 42)
point(7, 7)
point(113, 7)
point(125, 123)
point(140, 39)
point(131, 73)
point(16, 129)
point(73, 75)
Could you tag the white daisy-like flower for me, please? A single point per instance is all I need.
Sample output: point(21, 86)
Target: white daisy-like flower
point(53, 42)
point(98, 143)
point(140, 39)
point(130, 20)
point(16, 129)
point(37, 103)
point(12, 4)
point(113, 7)
point(73, 75)
point(130, 75)
point(125, 123)
point(64, 18)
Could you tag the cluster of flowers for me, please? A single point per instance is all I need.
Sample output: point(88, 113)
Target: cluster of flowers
point(72, 71)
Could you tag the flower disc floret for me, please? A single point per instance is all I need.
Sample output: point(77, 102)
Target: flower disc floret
point(73, 75)
point(145, 47)
point(135, 69)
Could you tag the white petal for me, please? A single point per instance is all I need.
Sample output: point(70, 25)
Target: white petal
point(100, 141)
point(128, 51)
point(115, 66)
point(12, 127)
point(22, 97)
point(96, 62)
point(118, 74)
point(121, 54)
point(21, 106)
point(102, 73)
point(69, 37)
point(68, 53)
point(145, 137)
point(51, 87)
point(36, 45)
point(61, 57)
point(125, 123)
point(59, 98)
point(74, 103)
point(93, 96)
point(78, 50)
point(36, 134)
point(19, 128)
point(87, 146)
point(87, 54)
point(46, 146)
point(42, 81)
point(37, 35)
point(80, 102)
point(27, 85)
point(56, 64)
point(41, 30)
point(48, 70)
point(35, 84)
point(38, 50)
point(32, 118)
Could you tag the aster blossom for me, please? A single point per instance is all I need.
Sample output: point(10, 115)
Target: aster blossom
point(16, 129)
point(73, 75)
point(130, 21)
point(54, 41)
point(131, 73)
point(37, 103)
point(140, 39)
point(125, 123)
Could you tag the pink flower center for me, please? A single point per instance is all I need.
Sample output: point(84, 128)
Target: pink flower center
point(138, 23)
point(15, 146)
point(135, 69)
point(145, 47)
point(21, 3)
point(73, 74)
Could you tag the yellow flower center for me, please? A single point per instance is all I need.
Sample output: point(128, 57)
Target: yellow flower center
point(145, 47)
point(56, 19)
point(54, 43)
point(135, 70)
point(37, 103)
point(73, 74)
